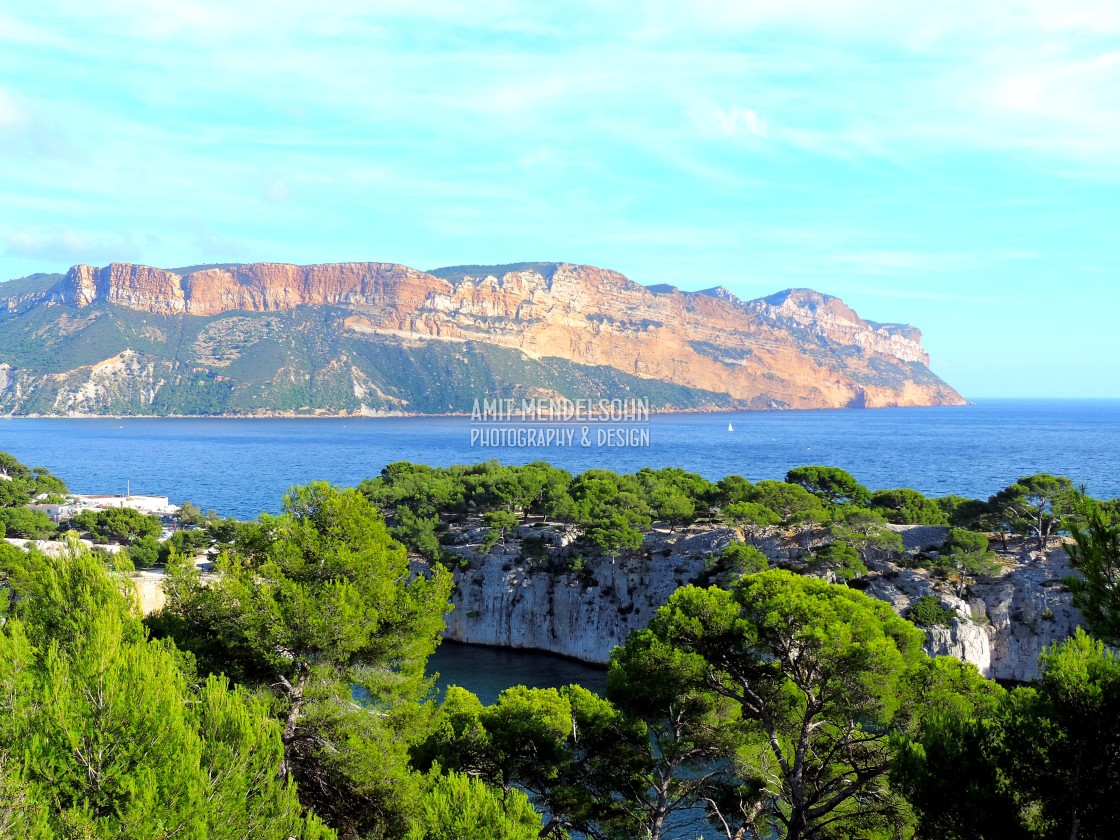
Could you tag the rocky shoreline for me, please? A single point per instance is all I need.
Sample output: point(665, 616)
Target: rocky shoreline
point(589, 603)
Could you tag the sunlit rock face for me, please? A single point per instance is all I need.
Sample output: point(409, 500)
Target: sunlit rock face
point(794, 349)
point(1003, 623)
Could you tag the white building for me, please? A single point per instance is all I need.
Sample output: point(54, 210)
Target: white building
point(57, 512)
point(159, 505)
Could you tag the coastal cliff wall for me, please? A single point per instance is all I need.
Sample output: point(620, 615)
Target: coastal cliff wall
point(1004, 622)
point(256, 328)
point(583, 614)
point(254, 287)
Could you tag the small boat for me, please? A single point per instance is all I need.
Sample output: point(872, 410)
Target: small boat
point(730, 428)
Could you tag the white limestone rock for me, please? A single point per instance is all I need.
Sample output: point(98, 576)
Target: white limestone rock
point(508, 600)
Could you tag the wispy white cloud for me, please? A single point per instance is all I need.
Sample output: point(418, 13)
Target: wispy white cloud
point(909, 262)
point(923, 295)
point(59, 244)
point(843, 78)
point(277, 190)
point(736, 121)
point(591, 111)
point(13, 114)
point(13, 30)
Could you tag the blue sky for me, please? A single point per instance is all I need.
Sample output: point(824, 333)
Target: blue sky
point(956, 166)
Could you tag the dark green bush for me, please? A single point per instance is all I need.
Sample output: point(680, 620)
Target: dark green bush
point(928, 611)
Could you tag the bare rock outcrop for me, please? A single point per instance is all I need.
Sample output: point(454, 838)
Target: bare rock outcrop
point(796, 349)
point(583, 612)
point(1003, 623)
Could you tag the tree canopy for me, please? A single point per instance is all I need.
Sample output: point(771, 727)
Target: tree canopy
point(287, 695)
point(1034, 505)
point(108, 734)
point(830, 484)
point(909, 507)
point(818, 671)
point(317, 607)
point(121, 525)
point(1095, 554)
point(20, 484)
point(456, 806)
point(25, 523)
point(1037, 762)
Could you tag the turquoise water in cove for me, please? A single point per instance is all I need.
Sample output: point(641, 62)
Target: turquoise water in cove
point(241, 467)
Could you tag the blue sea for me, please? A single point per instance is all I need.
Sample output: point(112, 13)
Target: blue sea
point(241, 467)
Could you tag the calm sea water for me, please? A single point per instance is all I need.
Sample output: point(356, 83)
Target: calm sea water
point(487, 671)
point(243, 467)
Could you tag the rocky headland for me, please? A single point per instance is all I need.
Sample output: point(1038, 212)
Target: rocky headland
point(361, 338)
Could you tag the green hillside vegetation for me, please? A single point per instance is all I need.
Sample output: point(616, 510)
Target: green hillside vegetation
point(20, 485)
point(455, 273)
point(119, 525)
point(32, 284)
point(839, 522)
point(288, 696)
point(297, 361)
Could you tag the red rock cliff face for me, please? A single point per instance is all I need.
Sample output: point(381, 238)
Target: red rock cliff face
point(796, 349)
point(258, 287)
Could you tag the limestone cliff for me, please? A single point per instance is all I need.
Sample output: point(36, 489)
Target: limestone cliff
point(504, 599)
point(500, 599)
point(271, 337)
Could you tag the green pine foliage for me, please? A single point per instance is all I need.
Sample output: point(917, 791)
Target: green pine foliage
point(738, 559)
point(1037, 763)
point(928, 611)
point(288, 696)
point(909, 507)
point(1095, 554)
point(118, 525)
point(109, 734)
point(20, 484)
point(316, 608)
point(830, 484)
point(25, 523)
point(456, 807)
point(1034, 506)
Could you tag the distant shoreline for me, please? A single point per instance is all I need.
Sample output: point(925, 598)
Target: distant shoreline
point(279, 415)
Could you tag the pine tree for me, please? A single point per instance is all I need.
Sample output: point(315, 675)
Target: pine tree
point(318, 608)
point(109, 733)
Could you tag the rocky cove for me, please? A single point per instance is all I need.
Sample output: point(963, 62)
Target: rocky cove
point(543, 591)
